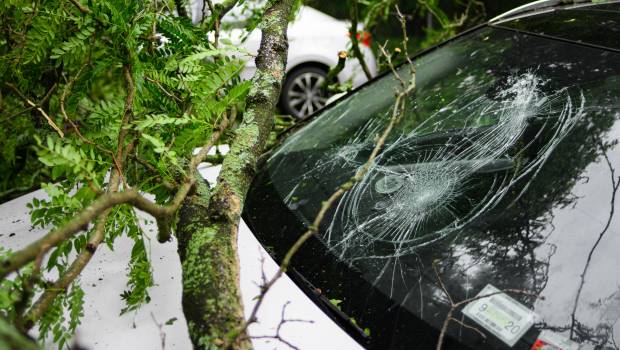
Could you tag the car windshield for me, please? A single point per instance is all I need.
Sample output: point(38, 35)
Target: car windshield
point(500, 176)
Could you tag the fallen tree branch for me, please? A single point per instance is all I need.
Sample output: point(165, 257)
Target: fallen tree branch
point(101, 209)
point(84, 257)
point(160, 212)
point(207, 227)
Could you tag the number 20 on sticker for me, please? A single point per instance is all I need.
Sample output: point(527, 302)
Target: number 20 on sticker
point(500, 314)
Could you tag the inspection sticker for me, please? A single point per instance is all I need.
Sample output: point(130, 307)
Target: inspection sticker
point(500, 314)
point(548, 340)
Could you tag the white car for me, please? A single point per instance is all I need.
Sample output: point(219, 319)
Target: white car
point(104, 279)
point(501, 176)
point(314, 42)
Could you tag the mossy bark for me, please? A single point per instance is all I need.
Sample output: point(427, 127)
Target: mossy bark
point(208, 222)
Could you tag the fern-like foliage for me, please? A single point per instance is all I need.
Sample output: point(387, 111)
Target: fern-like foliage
point(70, 63)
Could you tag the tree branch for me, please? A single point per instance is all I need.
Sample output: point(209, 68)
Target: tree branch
point(332, 75)
point(216, 23)
point(85, 10)
point(218, 12)
point(207, 227)
point(48, 296)
point(38, 107)
point(162, 213)
point(355, 45)
point(41, 246)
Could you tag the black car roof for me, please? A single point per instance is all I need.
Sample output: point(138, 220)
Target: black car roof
point(589, 23)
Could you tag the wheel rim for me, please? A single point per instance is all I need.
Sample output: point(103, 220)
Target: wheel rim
point(305, 95)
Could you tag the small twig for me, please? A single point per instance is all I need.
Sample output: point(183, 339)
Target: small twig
point(405, 41)
point(391, 57)
point(390, 64)
point(17, 114)
point(121, 150)
point(63, 97)
point(216, 25)
point(332, 75)
point(162, 334)
point(47, 117)
point(443, 287)
point(166, 92)
point(465, 325)
point(219, 11)
point(277, 336)
point(38, 108)
point(169, 184)
point(85, 10)
point(203, 153)
point(48, 94)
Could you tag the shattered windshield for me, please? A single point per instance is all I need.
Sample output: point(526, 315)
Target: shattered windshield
point(501, 141)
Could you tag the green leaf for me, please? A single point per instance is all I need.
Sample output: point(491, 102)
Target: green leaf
point(158, 144)
point(336, 302)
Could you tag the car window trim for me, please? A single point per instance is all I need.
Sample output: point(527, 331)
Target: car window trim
point(556, 38)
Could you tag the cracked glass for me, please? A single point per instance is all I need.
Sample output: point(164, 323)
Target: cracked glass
point(501, 172)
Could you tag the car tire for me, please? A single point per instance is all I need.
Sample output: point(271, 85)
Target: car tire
point(301, 93)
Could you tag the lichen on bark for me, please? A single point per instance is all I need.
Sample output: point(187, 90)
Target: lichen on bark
point(208, 220)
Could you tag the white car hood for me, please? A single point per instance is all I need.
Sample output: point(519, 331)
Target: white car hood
point(104, 280)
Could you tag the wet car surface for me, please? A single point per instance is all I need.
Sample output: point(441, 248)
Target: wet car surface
point(502, 176)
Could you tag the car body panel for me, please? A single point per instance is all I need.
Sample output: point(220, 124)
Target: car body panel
point(104, 279)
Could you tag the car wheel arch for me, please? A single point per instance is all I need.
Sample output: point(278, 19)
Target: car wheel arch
point(315, 64)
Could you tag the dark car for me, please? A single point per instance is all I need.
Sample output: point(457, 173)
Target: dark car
point(490, 211)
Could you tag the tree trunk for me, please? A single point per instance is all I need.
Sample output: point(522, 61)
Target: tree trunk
point(208, 222)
